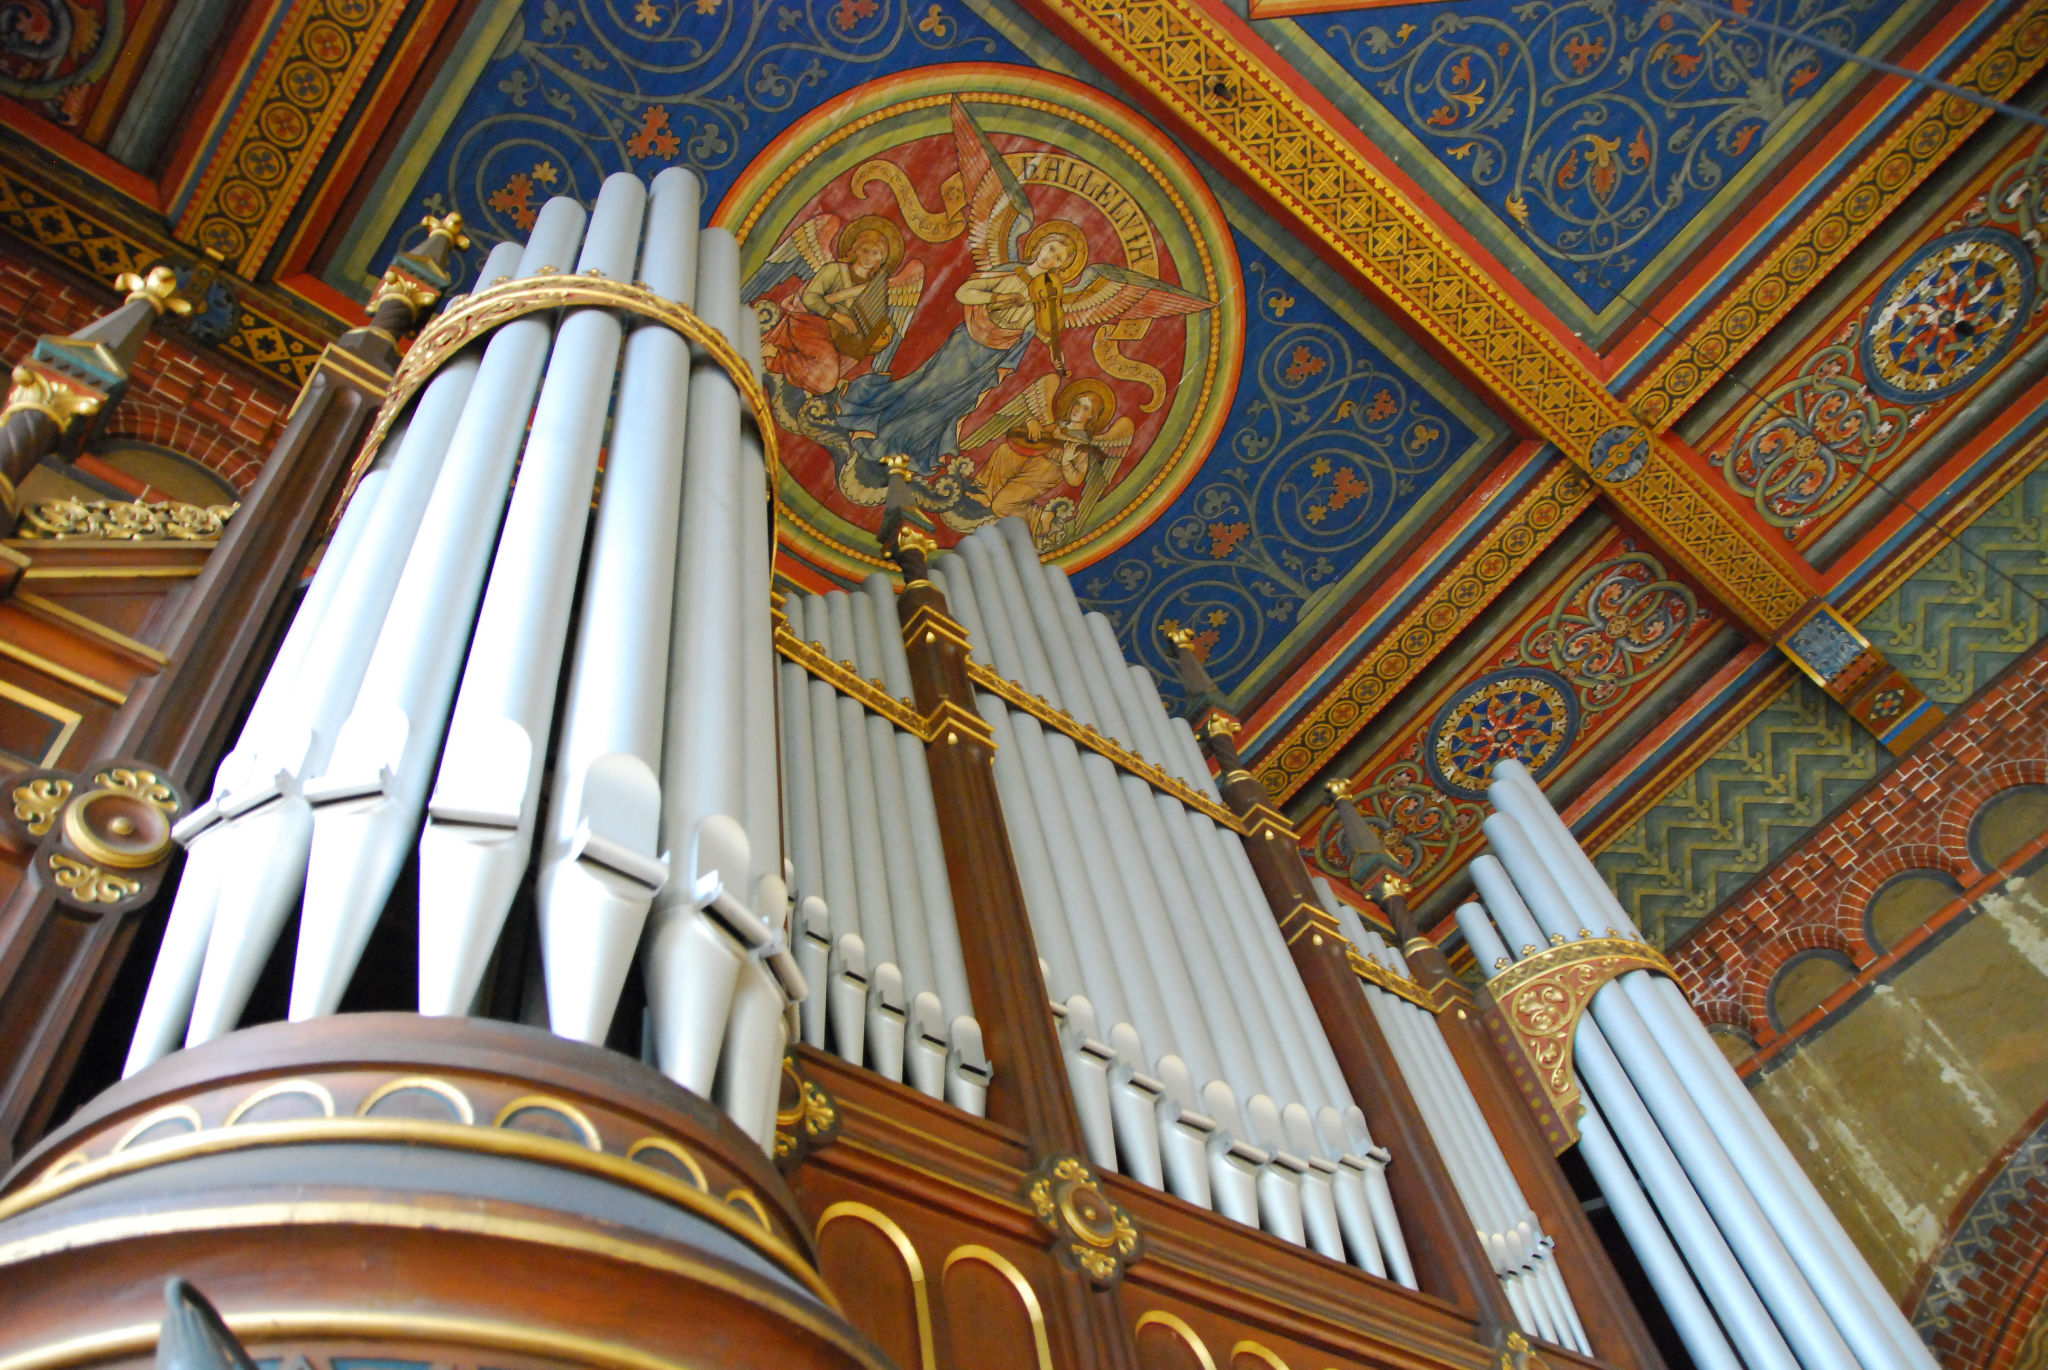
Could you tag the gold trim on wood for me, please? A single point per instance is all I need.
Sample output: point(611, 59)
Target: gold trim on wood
point(495, 1141)
point(1002, 1265)
point(887, 1226)
point(846, 678)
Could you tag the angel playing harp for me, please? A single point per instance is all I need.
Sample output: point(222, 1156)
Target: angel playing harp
point(858, 294)
point(1053, 437)
point(1033, 283)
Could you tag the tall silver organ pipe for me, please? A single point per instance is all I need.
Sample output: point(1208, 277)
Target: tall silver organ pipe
point(257, 824)
point(1197, 1060)
point(869, 869)
point(1766, 1253)
point(430, 649)
point(1507, 1226)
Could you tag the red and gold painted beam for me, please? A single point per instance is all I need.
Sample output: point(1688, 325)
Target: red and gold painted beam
point(1205, 70)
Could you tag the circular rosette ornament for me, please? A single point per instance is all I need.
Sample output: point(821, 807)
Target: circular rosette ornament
point(1092, 1233)
point(1947, 315)
point(1525, 713)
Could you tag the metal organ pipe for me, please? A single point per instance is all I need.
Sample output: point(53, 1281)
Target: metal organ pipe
point(257, 822)
point(423, 576)
point(486, 797)
point(367, 800)
point(601, 858)
point(1866, 1316)
point(1694, 1321)
point(1252, 1111)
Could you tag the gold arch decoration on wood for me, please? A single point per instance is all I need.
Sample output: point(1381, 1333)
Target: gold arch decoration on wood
point(1178, 1326)
point(284, 1089)
point(920, 1291)
point(546, 1104)
point(425, 1084)
point(1001, 1264)
point(1257, 1352)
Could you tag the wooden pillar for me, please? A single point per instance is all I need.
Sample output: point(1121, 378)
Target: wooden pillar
point(1605, 1310)
point(1029, 1091)
point(61, 945)
point(66, 385)
point(1449, 1261)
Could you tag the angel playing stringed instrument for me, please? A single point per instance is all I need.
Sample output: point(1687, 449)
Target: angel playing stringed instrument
point(1033, 283)
point(858, 293)
point(1055, 438)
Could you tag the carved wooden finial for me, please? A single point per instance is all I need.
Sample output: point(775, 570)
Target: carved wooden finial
point(912, 539)
point(1339, 790)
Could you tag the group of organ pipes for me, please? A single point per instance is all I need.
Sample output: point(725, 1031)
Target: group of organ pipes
point(511, 679)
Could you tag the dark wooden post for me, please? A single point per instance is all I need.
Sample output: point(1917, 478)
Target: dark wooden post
point(1448, 1258)
point(1029, 1091)
point(1604, 1307)
point(62, 943)
point(66, 385)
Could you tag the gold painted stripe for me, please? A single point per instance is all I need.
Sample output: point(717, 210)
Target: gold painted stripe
point(1421, 634)
point(47, 608)
point(76, 679)
point(112, 572)
point(1251, 117)
point(450, 1136)
point(1859, 204)
point(67, 720)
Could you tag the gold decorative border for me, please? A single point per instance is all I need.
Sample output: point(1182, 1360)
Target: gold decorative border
point(1430, 625)
point(257, 172)
point(1247, 112)
point(1023, 700)
point(1893, 170)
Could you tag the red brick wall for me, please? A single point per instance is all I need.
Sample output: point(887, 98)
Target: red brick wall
point(1983, 1288)
point(1916, 816)
point(178, 397)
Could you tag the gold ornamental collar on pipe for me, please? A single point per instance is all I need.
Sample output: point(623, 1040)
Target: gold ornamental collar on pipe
point(474, 315)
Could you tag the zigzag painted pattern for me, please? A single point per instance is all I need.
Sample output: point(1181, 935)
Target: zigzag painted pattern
point(1973, 608)
point(1950, 627)
point(1740, 811)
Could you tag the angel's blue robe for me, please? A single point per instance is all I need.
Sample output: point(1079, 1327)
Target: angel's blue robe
point(919, 414)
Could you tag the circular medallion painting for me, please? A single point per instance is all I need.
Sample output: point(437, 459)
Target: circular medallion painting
point(1948, 314)
point(1524, 712)
point(1002, 278)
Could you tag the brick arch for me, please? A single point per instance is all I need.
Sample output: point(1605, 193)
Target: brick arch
point(142, 421)
point(1766, 960)
point(1871, 875)
point(1953, 829)
point(1726, 1011)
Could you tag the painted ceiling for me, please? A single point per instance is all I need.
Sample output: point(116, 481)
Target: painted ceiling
point(1470, 377)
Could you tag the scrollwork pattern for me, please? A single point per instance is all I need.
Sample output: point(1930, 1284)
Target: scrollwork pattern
point(1331, 446)
point(580, 89)
point(1598, 128)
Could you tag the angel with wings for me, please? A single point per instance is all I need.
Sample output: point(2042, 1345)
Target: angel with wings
point(1053, 437)
point(858, 294)
point(1033, 283)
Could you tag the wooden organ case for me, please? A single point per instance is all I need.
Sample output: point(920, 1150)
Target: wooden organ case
point(869, 978)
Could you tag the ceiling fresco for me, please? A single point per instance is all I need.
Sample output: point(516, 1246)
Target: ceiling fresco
point(1592, 145)
point(1261, 441)
point(1471, 378)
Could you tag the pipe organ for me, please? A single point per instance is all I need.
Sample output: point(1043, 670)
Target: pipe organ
point(937, 853)
point(1752, 1266)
